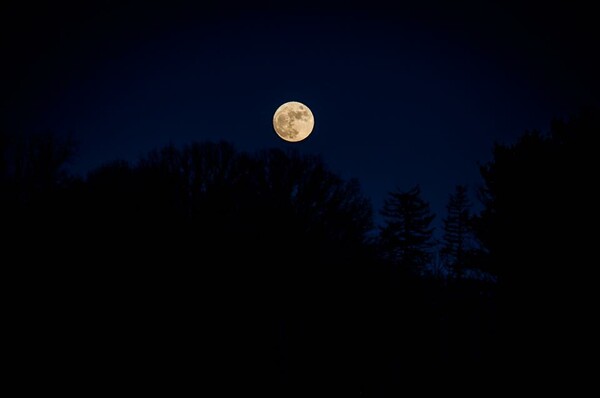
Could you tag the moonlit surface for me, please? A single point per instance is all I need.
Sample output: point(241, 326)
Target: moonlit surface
point(293, 121)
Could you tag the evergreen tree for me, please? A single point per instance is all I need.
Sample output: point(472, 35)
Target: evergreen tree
point(538, 196)
point(406, 237)
point(457, 230)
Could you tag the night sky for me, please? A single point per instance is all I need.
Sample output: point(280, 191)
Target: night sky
point(402, 94)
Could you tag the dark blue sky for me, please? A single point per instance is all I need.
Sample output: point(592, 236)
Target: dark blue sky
point(402, 94)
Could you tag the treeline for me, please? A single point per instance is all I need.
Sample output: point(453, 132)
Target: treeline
point(265, 265)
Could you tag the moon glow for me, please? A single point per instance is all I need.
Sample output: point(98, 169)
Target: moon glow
point(293, 121)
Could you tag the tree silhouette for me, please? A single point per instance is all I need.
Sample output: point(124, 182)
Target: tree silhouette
point(406, 237)
point(457, 230)
point(263, 258)
point(537, 194)
point(259, 264)
point(34, 164)
point(33, 182)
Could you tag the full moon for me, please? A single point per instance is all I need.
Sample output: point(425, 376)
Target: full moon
point(293, 121)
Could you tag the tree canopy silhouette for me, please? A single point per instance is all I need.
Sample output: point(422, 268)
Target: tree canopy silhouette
point(457, 227)
point(406, 236)
point(537, 195)
point(257, 258)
